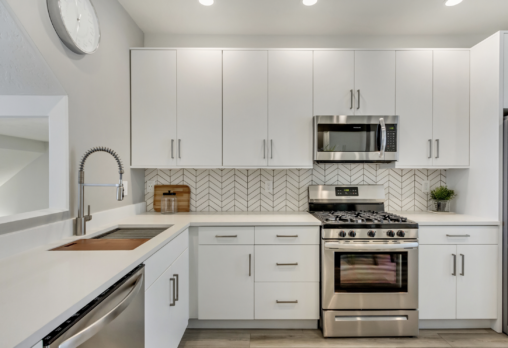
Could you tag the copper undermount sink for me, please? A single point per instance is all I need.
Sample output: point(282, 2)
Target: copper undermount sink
point(117, 239)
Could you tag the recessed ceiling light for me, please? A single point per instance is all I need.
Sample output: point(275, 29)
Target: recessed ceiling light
point(452, 2)
point(206, 2)
point(309, 2)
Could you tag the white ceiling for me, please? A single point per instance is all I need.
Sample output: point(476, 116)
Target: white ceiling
point(327, 17)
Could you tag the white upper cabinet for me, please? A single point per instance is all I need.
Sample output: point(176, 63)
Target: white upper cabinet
point(153, 93)
point(506, 71)
point(414, 107)
point(451, 108)
point(290, 108)
point(199, 108)
point(334, 82)
point(245, 118)
point(375, 83)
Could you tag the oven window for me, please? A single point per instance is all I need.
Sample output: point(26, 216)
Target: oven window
point(371, 272)
point(347, 138)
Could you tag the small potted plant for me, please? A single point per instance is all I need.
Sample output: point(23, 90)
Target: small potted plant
point(441, 197)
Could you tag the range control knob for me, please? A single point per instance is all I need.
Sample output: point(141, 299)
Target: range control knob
point(342, 234)
point(401, 233)
point(371, 233)
point(390, 233)
point(352, 233)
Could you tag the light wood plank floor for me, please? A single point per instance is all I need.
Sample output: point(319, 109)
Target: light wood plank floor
point(314, 339)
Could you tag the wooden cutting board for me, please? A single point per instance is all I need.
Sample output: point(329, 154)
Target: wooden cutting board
point(182, 195)
point(102, 244)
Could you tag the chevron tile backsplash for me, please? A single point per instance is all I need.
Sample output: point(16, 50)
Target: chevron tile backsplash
point(242, 189)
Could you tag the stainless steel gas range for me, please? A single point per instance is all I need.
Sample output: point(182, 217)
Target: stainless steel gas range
point(369, 263)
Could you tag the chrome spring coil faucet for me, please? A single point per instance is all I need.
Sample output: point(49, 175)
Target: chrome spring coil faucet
point(80, 225)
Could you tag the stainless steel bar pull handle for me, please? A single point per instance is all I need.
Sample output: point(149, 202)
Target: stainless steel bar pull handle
point(179, 148)
point(250, 265)
point(454, 265)
point(172, 280)
point(172, 148)
point(287, 236)
point(295, 301)
point(227, 236)
point(177, 286)
point(463, 265)
point(287, 264)
point(264, 148)
point(352, 99)
point(271, 148)
point(358, 107)
point(82, 336)
point(383, 137)
point(458, 235)
point(437, 148)
point(430, 148)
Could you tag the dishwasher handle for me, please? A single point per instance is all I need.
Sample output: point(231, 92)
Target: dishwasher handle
point(87, 333)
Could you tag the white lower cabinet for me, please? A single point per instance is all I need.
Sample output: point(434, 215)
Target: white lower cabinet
point(287, 263)
point(458, 281)
point(167, 306)
point(226, 282)
point(287, 300)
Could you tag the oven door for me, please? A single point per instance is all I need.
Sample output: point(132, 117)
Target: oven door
point(355, 138)
point(369, 275)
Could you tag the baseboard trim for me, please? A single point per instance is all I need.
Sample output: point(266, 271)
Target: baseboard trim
point(456, 324)
point(253, 324)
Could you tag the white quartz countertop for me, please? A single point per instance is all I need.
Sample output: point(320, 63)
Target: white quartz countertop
point(40, 289)
point(446, 219)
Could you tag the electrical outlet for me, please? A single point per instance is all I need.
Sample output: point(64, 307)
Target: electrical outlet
point(125, 188)
point(268, 186)
point(149, 185)
point(425, 186)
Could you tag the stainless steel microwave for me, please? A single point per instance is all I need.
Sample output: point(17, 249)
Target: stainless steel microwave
point(359, 139)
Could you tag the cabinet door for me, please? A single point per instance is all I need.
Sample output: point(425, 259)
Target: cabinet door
point(290, 108)
point(153, 98)
point(437, 286)
point(414, 107)
point(451, 108)
point(226, 282)
point(179, 313)
point(245, 108)
point(199, 108)
point(165, 324)
point(477, 281)
point(375, 79)
point(334, 82)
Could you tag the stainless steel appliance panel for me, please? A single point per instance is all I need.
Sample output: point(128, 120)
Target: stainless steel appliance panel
point(118, 321)
point(505, 224)
point(370, 323)
point(376, 295)
point(361, 139)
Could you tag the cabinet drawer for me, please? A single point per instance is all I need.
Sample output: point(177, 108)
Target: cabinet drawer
point(458, 235)
point(287, 235)
point(162, 259)
point(286, 263)
point(302, 300)
point(226, 235)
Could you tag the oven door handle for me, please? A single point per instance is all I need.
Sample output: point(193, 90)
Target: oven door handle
point(369, 246)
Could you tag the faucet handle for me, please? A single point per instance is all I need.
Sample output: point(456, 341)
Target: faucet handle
point(88, 217)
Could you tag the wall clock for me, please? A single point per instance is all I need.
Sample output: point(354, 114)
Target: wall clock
point(76, 23)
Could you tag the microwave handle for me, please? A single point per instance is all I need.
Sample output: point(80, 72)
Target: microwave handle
point(383, 137)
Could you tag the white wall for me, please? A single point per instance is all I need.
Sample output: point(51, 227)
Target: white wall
point(479, 187)
point(28, 190)
point(289, 41)
point(506, 70)
point(98, 87)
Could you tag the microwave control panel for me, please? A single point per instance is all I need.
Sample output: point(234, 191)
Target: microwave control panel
point(391, 138)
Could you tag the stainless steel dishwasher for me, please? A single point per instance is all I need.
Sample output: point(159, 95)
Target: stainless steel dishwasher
point(114, 319)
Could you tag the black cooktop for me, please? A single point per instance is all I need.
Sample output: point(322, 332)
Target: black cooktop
point(363, 219)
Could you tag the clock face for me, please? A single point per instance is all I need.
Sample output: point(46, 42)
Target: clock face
point(76, 23)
